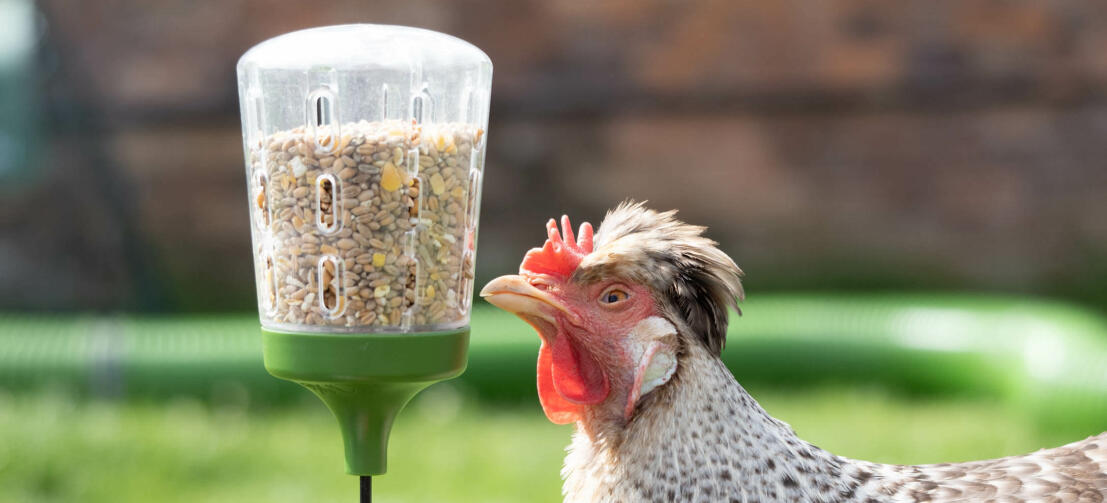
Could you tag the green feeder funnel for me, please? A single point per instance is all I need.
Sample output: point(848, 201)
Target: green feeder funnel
point(366, 379)
point(364, 151)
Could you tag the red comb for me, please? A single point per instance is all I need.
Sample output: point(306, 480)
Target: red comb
point(559, 257)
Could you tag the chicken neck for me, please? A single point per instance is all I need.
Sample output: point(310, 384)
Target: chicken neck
point(702, 437)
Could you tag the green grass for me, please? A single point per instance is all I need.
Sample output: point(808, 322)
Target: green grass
point(444, 448)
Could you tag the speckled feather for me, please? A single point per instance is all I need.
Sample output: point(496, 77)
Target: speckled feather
point(703, 438)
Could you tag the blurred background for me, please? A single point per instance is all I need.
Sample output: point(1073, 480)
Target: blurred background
point(848, 144)
point(847, 147)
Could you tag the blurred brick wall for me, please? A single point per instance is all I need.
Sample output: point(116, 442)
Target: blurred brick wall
point(844, 143)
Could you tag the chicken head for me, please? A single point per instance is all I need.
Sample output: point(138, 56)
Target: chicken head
point(605, 342)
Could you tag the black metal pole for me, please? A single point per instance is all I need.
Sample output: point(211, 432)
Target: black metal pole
point(366, 489)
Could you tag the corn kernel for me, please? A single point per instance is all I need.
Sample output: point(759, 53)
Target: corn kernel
point(390, 177)
point(378, 259)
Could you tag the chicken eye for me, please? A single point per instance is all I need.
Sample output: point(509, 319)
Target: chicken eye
point(613, 296)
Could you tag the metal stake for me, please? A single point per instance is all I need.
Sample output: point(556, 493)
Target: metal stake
point(366, 489)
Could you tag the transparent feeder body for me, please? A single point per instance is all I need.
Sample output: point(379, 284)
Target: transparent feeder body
point(364, 151)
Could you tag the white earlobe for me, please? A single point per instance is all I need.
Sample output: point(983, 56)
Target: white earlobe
point(657, 362)
point(660, 369)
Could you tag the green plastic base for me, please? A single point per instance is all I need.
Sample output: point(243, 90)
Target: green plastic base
point(366, 379)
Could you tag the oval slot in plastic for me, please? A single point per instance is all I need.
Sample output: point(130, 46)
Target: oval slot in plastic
point(422, 107)
point(384, 102)
point(472, 203)
point(413, 161)
point(322, 120)
point(259, 116)
point(328, 204)
point(415, 198)
point(261, 201)
point(468, 105)
point(253, 118)
point(411, 286)
point(270, 281)
point(331, 277)
point(465, 287)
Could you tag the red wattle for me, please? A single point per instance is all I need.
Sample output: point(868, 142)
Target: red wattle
point(568, 380)
point(558, 410)
point(576, 376)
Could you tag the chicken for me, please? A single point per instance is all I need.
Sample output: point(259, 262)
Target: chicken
point(632, 322)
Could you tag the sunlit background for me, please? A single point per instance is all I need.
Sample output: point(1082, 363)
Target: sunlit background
point(947, 155)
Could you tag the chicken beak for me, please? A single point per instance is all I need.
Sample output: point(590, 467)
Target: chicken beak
point(569, 376)
point(515, 294)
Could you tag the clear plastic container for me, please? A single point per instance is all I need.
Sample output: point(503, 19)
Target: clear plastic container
point(364, 151)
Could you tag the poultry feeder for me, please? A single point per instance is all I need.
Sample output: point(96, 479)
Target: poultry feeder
point(364, 149)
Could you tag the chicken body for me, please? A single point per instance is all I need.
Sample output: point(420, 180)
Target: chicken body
point(633, 322)
point(703, 438)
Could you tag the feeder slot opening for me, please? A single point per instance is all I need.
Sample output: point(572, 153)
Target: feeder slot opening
point(321, 118)
point(270, 284)
point(331, 276)
point(422, 106)
point(264, 215)
point(327, 204)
